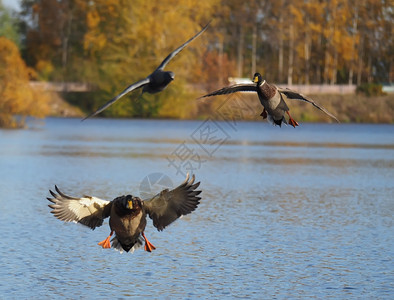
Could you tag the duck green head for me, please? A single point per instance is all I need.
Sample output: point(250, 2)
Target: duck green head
point(257, 78)
point(130, 202)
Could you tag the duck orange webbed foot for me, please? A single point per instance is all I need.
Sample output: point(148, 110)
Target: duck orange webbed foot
point(148, 245)
point(106, 243)
point(292, 122)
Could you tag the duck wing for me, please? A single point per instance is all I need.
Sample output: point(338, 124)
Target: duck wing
point(179, 49)
point(89, 211)
point(232, 89)
point(130, 88)
point(297, 96)
point(167, 206)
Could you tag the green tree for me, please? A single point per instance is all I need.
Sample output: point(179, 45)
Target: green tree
point(8, 24)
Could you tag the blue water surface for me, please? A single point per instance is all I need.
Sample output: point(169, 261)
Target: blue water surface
point(285, 213)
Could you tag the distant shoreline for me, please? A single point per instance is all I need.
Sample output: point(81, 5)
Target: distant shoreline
point(349, 108)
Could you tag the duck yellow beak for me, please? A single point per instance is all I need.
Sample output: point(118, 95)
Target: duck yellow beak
point(130, 204)
point(256, 79)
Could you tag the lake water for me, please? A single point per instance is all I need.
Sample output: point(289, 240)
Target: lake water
point(285, 213)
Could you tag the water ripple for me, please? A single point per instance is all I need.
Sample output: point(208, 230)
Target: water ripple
point(284, 213)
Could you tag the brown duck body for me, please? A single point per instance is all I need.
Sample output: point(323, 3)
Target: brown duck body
point(273, 103)
point(128, 224)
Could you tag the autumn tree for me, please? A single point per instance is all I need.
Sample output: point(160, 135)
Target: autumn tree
point(54, 31)
point(376, 44)
point(125, 41)
point(17, 98)
point(311, 41)
point(112, 43)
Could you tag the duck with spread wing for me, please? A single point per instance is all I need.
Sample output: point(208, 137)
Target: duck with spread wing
point(272, 98)
point(127, 214)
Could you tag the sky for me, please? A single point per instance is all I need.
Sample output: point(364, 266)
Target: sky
point(13, 4)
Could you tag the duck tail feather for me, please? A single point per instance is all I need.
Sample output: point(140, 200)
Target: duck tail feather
point(117, 245)
point(276, 122)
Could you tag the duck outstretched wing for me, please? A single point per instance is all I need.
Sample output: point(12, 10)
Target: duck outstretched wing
point(167, 206)
point(179, 49)
point(297, 96)
point(232, 89)
point(132, 87)
point(89, 211)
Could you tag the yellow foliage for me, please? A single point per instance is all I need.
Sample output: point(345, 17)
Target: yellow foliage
point(132, 38)
point(92, 19)
point(17, 97)
point(45, 68)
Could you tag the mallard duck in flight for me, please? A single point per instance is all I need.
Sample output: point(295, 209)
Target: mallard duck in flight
point(127, 214)
point(272, 98)
point(155, 82)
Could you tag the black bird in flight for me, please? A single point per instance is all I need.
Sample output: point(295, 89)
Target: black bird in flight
point(155, 82)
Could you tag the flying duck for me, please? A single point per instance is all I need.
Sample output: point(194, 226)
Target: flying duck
point(272, 98)
point(155, 82)
point(127, 214)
